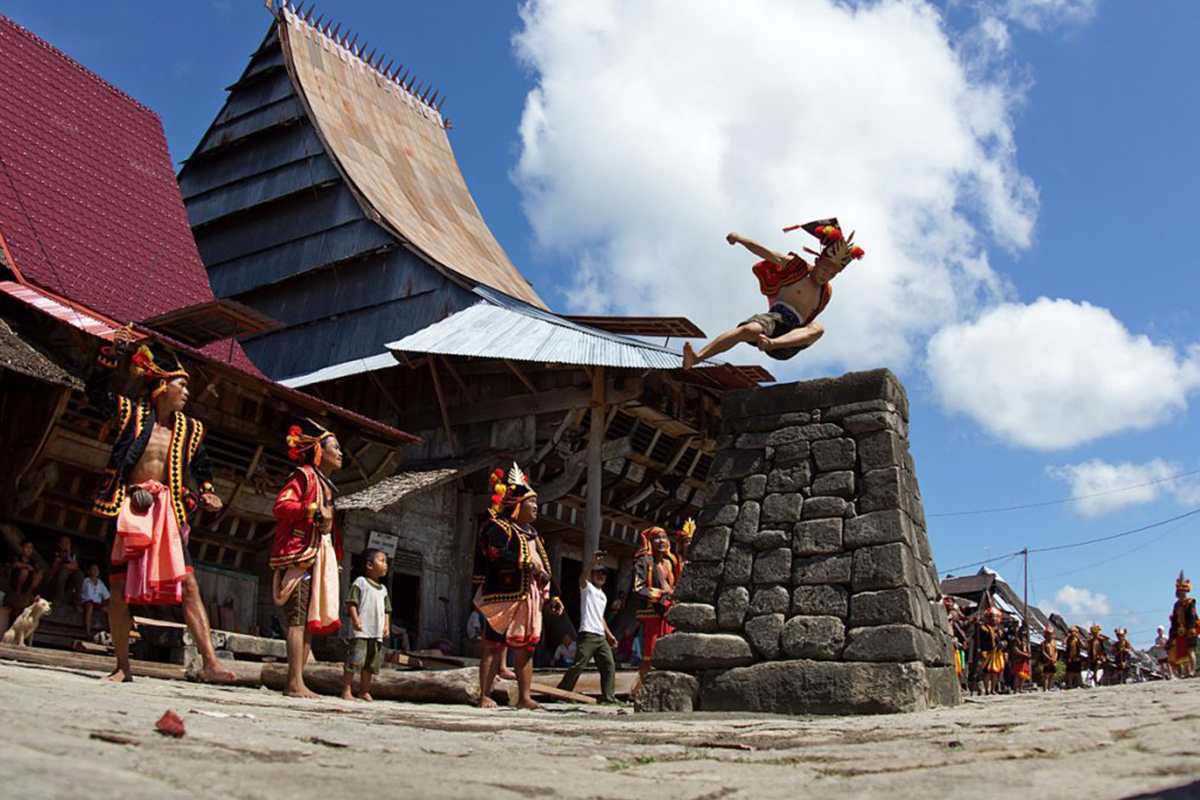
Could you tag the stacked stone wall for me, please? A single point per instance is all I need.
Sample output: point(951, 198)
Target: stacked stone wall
point(809, 585)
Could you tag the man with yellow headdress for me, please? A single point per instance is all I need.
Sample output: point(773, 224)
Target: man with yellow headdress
point(145, 489)
point(1181, 639)
point(514, 584)
point(991, 650)
point(308, 547)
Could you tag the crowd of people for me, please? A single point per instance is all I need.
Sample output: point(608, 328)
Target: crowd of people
point(994, 653)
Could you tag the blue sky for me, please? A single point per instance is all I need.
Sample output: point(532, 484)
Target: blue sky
point(1080, 126)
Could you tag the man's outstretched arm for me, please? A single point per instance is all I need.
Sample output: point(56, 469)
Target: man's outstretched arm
point(759, 250)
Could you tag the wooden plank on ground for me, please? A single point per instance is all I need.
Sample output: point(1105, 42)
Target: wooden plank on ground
point(542, 690)
point(85, 661)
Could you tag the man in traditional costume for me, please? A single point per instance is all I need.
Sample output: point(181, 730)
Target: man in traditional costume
point(656, 571)
point(1022, 659)
point(308, 547)
point(1097, 657)
point(796, 293)
point(1074, 658)
point(516, 584)
point(991, 650)
point(1181, 640)
point(1122, 655)
point(1049, 658)
point(145, 489)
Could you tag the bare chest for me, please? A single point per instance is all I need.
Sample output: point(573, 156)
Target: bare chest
point(803, 296)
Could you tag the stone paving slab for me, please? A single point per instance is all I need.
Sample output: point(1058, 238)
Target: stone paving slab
point(1103, 743)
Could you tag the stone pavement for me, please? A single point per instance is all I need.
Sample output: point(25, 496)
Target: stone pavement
point(1103, 743)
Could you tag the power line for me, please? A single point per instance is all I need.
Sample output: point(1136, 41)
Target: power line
point(1142, 546)
point(1065, 499)
point(1083, 543)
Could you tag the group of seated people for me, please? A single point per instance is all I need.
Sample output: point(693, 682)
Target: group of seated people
point(61, 579)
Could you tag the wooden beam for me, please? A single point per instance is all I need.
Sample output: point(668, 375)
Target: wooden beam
point(386, 394)
point(547, 402)
point(516, 371)
point(572, 471)
point(437, 387)
point(457, 379)
point(595, 465)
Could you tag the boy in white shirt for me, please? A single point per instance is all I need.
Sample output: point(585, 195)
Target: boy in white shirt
point(93, 594)
point(595, 639)
point(371, 613)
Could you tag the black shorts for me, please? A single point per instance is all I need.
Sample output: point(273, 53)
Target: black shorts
point(775, 323)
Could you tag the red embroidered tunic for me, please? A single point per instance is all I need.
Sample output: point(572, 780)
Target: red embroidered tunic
point(296, 536)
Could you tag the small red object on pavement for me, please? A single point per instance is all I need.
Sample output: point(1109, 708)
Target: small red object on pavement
point(170, 725)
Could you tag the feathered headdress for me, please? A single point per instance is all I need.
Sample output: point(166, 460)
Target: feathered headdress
point(1048, 632)
point(1182, 584)
point(303, 440)
point(1121, 632)
point(688, 530)
point(1095, 629)
point(835, 246)
point(508, 493)
point(646, 548)
point(163, 367)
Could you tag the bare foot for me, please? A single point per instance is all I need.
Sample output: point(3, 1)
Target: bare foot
point(764, 343)
point(507, 674)
point(366, 696)
point(300, 691)
point(487, 702)
point(215, 673)
point(119, 675)
point(530, 705)
point(349, 695)
point(689, 356)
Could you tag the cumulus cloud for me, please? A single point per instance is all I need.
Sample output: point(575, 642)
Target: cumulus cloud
point(1056, 373)
point(1101, 487)
point(1041, 14)
point(653, 129)
point(1075, 604)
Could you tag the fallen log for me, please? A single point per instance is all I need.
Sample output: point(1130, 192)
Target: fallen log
point(85, 661)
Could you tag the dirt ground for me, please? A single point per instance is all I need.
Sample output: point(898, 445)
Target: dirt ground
point(243, 743)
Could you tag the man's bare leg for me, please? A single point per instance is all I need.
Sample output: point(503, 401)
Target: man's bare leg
point(643, 670)
point(197, 622)
point(87, 619)
point(119, 621)
point(743, 333)
point(297, 647)
point(364, 686)
point(488, 667)
point(524, 670)
point(502, 666)
point(800, 337)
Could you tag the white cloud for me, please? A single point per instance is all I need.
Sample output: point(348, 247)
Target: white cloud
point(1075, 604)
point(1102, 488)
point(656, 128)
point(1042, 14)
point(1056, 373)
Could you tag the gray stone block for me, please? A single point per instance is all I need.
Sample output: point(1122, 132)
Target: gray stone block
point(903, 605)
point(699, 581)
point(817, 537)
point(733, 603)
point(888, 643)
point(746, 524)
point(666, 691)
point(696, 651)
point(875, 421)
point(773, 566)
point(693, 617)
point(754, 487)
point(789, 479)
point(833, 569)
point(781, 508)
point(814, 637)
point(806, 686)
point(764, 422)
point(886, 566)
point(840, 412)
point(764, 632)
point(878, 527)
point(722, 493)
point(733, 464)
point(880, 450)
point(835, 484)
point(834, 454)
point(788, 455)
point(709, 544)
point(755, 440)
point(769, 600)
point(739, 561)
point(770, 539)
point(821, 601)
point(853, 387)
point(718, 515)
point(943, 689)
point(882, 489)
point(822, 507)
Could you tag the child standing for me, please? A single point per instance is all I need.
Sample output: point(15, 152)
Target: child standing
point(93, 594)
point(371, 613)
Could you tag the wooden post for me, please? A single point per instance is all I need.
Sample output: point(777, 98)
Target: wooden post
point(595, 466)
point(437, 388)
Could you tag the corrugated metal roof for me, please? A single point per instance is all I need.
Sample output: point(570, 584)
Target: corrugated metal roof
point(489, 330)
point(392, 490)
point(345, 369)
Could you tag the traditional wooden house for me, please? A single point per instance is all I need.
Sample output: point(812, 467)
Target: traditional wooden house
point(93, 236)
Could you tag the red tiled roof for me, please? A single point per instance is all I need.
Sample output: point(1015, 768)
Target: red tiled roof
point(89, 206)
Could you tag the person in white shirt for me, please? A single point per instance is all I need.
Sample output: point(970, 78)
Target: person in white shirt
point(595, 639)
point(371, 613)
point(93, 594)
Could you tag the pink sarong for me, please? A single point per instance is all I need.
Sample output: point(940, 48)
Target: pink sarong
point(150, 544)
point(519, 620)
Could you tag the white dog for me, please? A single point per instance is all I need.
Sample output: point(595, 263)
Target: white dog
point(22, 630)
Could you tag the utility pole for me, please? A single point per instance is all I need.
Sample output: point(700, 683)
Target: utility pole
point(1025, 599)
